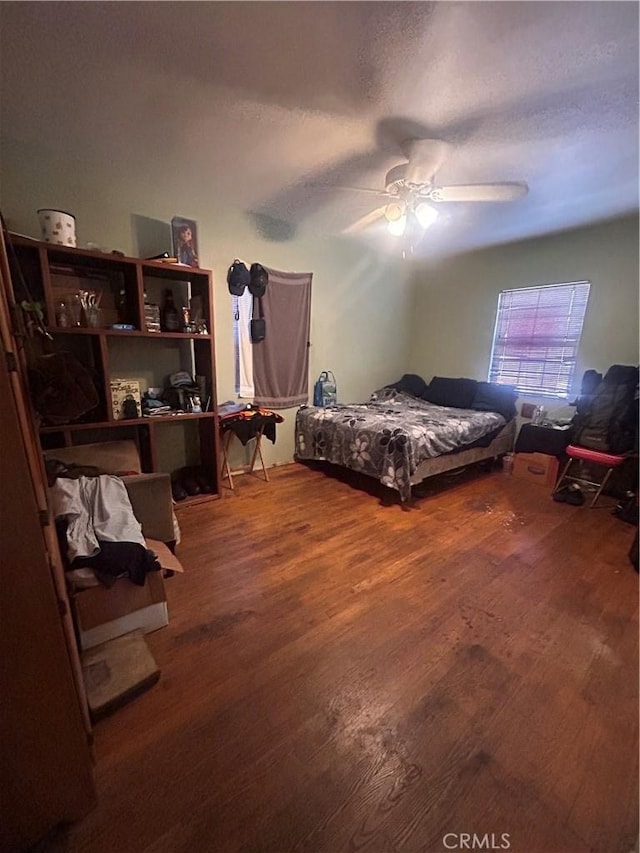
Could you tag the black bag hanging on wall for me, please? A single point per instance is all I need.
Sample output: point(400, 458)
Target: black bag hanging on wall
point(258, 280)
point(258, 327)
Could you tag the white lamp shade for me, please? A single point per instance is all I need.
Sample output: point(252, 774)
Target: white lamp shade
point(425, 214)
point(397, 226)
point(394, 211)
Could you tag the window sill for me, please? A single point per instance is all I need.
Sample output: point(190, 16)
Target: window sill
point(537, 395)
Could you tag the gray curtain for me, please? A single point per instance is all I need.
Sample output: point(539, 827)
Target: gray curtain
point(281, 360)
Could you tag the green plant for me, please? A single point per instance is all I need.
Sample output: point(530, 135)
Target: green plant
point(34, 308)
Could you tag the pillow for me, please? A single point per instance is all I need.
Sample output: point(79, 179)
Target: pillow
point(491, 397)
point(458, 393)
point(410, 384)
point(383, 395)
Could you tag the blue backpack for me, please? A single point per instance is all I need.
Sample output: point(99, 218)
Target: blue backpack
point(325, 391)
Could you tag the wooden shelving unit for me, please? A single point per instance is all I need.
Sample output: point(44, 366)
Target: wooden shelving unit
point(165, 442)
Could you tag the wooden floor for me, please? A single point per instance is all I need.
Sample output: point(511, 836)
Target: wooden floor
point(340, 674)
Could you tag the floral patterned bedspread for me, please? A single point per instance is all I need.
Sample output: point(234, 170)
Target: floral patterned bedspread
point(388, 437)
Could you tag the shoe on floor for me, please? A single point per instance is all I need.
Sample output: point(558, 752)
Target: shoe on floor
point(574, 496)
point(561, 495)
point(203, 481)
point(177, 491)
point(190, 485)
point(570, 494)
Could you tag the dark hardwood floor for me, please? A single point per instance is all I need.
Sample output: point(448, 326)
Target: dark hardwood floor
point(341, 674)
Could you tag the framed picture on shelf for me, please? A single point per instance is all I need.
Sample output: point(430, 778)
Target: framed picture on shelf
point(184, 233)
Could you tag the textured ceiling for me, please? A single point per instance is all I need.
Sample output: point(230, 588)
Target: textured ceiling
point(248, 103)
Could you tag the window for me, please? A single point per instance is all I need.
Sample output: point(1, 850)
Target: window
point(242, 345)
point(536, 337)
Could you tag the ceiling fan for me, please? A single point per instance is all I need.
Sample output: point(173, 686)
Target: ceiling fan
point(411, 190)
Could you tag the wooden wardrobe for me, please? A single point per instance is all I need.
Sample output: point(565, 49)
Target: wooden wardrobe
point(46, 764)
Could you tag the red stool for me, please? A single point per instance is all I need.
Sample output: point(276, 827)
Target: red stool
point(606, 460)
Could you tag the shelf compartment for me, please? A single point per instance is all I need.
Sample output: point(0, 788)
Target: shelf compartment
point(150, 360)
point(171, 272)
point(124, 333)
point(186, 289)
point(192, 445)
point(88, 256)
point(89, 353)
point(25, 263)
point(50, 439)
point(76, 427)
point(116, 286)
point(196, 499)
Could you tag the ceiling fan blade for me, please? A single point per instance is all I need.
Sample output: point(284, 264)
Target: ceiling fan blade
point(368, 190)
point(425, 156)
point(364, 221)
point(509, 191)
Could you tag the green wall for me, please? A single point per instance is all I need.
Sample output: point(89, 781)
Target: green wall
point(360, 300)
point(373, 318)
point(456, 299)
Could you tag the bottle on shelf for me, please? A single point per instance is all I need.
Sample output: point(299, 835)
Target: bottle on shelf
point(74, 309)
point(121, 305)
point(170, 318)
point(62, 315)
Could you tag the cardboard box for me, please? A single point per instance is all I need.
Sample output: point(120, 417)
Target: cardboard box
point(536, 468)
point(121, 390)
point(116, 672)
point(103, 613)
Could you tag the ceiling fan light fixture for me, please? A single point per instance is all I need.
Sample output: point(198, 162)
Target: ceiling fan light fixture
point(409, 201)
point(394, 211)
point(425, 214)
point(397, 226)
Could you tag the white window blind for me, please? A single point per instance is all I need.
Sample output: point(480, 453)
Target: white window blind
point(243, 355)
point(536, 337)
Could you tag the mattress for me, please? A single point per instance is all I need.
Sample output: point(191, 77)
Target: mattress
point(390, 438)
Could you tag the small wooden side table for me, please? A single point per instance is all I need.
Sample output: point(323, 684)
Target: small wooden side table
point(249, 424)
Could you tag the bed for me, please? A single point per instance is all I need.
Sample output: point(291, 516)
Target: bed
point(401, 439)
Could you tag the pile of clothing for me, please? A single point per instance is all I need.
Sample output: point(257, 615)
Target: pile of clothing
point(153, 406)
point(182, 395)
point(97, 529)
